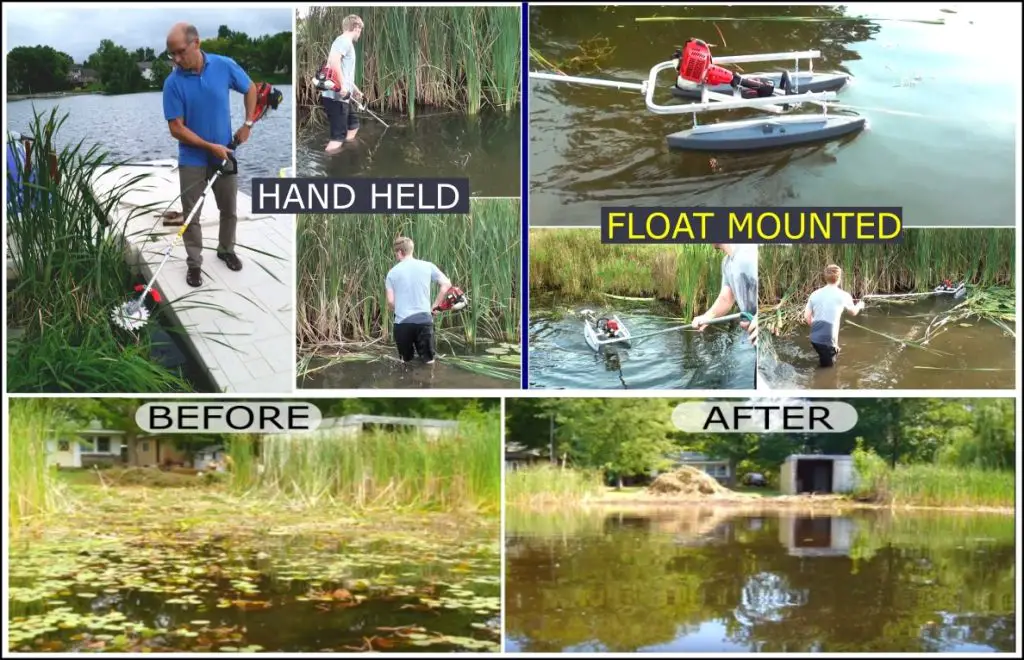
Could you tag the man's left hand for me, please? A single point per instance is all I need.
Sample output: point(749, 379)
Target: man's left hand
point(751, 328)
point(242, 134)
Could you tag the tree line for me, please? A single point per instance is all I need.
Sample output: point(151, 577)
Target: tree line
point(629, 437)
point(44, 69)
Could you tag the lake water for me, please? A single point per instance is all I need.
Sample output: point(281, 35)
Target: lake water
point(485, 148)
point(948, 159)
point(977, 354)
point(132, 127)
point(718, 358)
point(703, 581)
point(390, 373)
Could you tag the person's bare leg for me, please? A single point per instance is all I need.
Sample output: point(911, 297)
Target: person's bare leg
point(351, 135)
point(334, 146)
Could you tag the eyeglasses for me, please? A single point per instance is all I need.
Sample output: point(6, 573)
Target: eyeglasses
point(171, 54)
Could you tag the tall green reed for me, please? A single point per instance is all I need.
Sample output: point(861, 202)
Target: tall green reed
point(546, 485)
point(344, 260)
point(575, 265)
point(70, 271)
point(452, 58)
point(376, 470)
point(33, 489)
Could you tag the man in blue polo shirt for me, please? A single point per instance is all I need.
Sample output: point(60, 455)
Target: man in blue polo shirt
point(197, 107)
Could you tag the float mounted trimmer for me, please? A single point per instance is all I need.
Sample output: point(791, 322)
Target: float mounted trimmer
point(948, 287)
point(455, 300)
point(134, 315)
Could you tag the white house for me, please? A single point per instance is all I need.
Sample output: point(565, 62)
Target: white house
point(94, 445)
point(352, 425)
point(817, 473)
point(714, 467)
point(146, 69)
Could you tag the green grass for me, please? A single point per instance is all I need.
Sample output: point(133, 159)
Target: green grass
point(451, 58)
point(34, 491)
point(71, 271)
point(344, 260)
point(574, 265)
point(379, 471)
point(983, 258)
point(548, 485)
point(931, 485)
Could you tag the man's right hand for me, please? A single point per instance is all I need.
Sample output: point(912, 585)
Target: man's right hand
point(700, 322)
point(220, 152)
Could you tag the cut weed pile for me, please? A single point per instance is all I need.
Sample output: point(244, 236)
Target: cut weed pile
point(164, 569)
point(688, 482)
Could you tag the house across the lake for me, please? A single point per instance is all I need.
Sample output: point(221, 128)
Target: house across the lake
point(519, 456)
point(817, 473)
point(93, 445)
point(352, 425)
point(715, 467)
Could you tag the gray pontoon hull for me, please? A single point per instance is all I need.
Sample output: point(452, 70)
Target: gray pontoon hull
point(765, 133)
point(802, 82)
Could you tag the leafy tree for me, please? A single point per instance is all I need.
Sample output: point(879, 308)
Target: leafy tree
point(117, 69)
point(38, 69)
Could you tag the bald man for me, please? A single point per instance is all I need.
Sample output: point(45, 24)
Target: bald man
point(197, 107)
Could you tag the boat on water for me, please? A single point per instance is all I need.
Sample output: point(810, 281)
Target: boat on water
point(599, 332)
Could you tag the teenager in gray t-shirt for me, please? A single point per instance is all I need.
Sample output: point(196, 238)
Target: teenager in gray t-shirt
point(739, 287)
point(823, 313)
point(408, 291)
point(342, 60)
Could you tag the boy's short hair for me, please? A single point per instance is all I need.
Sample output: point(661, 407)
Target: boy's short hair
point(833, 273)
point(351, 22)
point(404, 244)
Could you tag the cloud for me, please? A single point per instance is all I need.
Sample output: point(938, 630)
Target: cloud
point(78, 32)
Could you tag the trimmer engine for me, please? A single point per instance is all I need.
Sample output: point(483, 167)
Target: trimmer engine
point(697, 69)
point(454, 300)
point(608, 327)
point(326, 80)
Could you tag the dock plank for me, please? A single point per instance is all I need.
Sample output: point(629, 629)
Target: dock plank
point(239, 324)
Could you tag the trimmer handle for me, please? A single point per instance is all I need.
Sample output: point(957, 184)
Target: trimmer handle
point(230, 165)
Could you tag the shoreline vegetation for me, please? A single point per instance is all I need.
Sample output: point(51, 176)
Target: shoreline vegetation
point(342, 309)
point(983, 259)
point(271, 79)
point(457, 59)
point(59, 302)
point(573, 265)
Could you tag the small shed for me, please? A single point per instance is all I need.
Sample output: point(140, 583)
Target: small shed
point(817, 473)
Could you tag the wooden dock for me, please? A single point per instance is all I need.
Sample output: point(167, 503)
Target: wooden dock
point(238, 324)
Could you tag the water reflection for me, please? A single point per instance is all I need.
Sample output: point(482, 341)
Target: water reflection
point(700, 581)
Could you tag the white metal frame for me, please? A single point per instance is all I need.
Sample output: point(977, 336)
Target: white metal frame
point(710, 101)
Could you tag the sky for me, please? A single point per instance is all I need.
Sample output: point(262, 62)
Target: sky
point(78, 31)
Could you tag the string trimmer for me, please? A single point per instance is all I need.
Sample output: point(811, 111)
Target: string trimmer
point(133, 314)
point(455, 300)
point(958, 291)
point(326, 80)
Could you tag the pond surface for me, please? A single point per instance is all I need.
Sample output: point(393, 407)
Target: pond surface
point(485, 148)
point(132, 127)
point(593, 146)
point(977, 353)
point(157, 583)
point(718, 358)
point(700, 581)
point(460, 371)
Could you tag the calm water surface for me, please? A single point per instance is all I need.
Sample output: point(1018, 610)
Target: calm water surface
point(132, 127)
point(871, 361)
point(940, 141)
point(697, 581)
point(719, 358)
point(486, 149)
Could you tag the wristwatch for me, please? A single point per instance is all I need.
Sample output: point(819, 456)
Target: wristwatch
point(249, 123)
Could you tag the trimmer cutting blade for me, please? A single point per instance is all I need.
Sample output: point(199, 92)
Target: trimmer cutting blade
point(132, 315)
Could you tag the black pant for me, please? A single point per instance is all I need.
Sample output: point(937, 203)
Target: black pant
point(342, 117)
point(826, 354)
point(413, 338)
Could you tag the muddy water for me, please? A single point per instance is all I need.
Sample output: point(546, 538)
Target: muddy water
point(486, 149)
point(172, 592)
point(388, 372)
point(696, 581)
point(869, 361)
point(592, 146)
point(719, 358)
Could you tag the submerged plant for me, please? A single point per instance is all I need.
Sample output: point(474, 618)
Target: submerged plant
point(70, 268)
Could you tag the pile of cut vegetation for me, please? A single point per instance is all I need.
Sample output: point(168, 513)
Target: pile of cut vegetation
point(148, 477)
point(688, 482)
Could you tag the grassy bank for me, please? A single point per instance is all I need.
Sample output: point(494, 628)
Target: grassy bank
point(927, 485)
point(574, 265)
point(379, 471)
point(546, 485)
point(344, 260)
point(451, 58)
point(984, 259)
point(71, 271)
